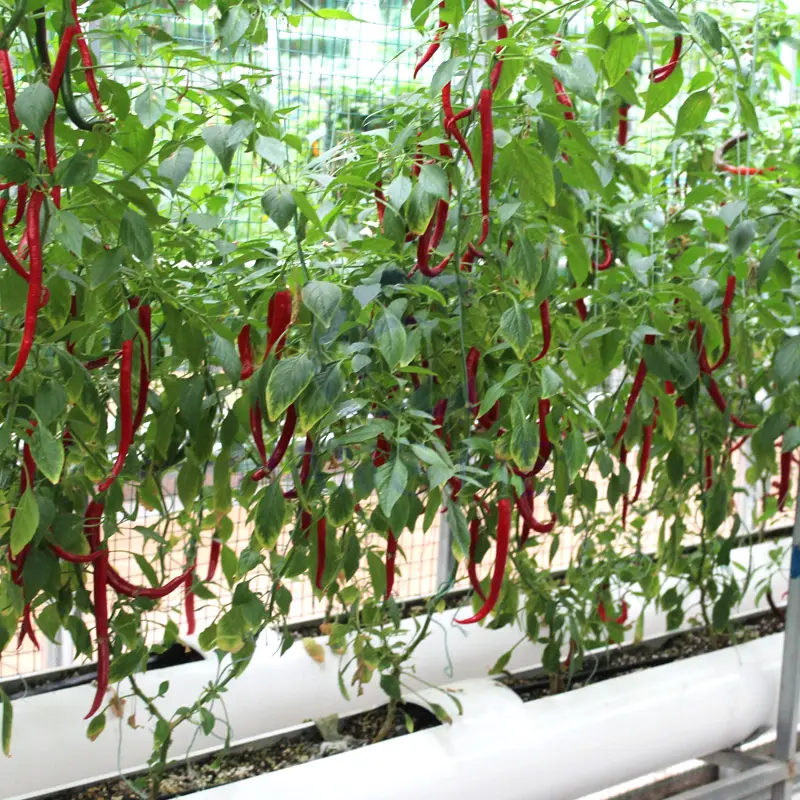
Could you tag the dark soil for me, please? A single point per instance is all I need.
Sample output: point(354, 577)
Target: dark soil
point(328, 737)
point(615, 663)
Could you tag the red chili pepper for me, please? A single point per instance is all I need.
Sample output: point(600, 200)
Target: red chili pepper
point(391, 554)
point(501, 556)
point(504, 11)
point(245, 352)
point(644, 453)
point(433, 47)
point(451, 121)
point(783, 484)
point(5, 250)
point(622, 125)
point(126, 415)
point(708, 469)
point(145, 357)
point(381, 453)
point(22, 197)
point(638, 383)
point(439, 411)
point(423, 255)
point(580, 305)
point(27, 629)
point(282, 445)
point(213, 558)
point(487, 157)
point(608, 257)
point(188, 603)
point(544, 316)
point(662, 73)
point(55, 82)
point(474, 531)
point(473, 360)
point(8, 90)
point(730, 291)
point(623, 457)
point(722, 405)
point(101, 630)
point(469, 257)
point(738, 444)
point(75, 558)
point(524, 504)
point(380, 202)
point(86, 60)
point(34, 284)
point(603, 614)
point(97, 363)
point(125, 587)
point(545, 445)
point(497, 69)
point(279, 317)
point(322, 530)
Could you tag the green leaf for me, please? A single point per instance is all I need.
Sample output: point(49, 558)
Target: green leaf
point(786, 366)
point(26, 521)
point(551, 382)
point(693, 112)
point(390, 335)
point(534, 172)
point(323, 299)
point(708, 28)
point(768, 261)
point(224, 140)
point(398, 191)
point(717, 509)
point(269, 516)
point(419, 209)
point(150, 107)
point(439, 470)
point(527, 265)
point(8, 721)
point(524, 441)
point(666, 16)
point(340, 507)
point(620, 53)
point(136, 236)
point(279, 205)
point(659, 95)
point(271, 149)
point(433, 180)
point(126, 664)
point(176, 166)
point(232, 26)
point(33, 106)
point(289, 378)
point(48, 453)
point(318, 399)
point(224, 353)
point(741, 237)
point(575, 452)
point(516, 328)
point(747, 112)
point(78, 170)
point(390, 483)
point(14, 169)
point(791, 439)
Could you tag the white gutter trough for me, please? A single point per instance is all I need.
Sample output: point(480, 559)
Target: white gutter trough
point(556, 748)
point(277, 694)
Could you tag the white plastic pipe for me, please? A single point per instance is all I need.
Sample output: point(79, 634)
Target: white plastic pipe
point(275, 694)
point(556, 748)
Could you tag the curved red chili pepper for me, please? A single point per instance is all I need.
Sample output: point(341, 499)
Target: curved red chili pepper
point(75, 558)
point(289, 424)
point(473, 360)
point(381, 453)
point(608, 257)
point(188, 603)
point(622, 125)
point(472, 572)
point(487, 158)
point(34, 284)
point(322, 530)
point(101, 630)
point(126, 415)
point(433, 47)
point(86, 60)
point(380, 202)
point(730, 292)
point(785, 479)
point(305, 467)
point(504, 11)
point(644, 452)
point(8, 90)
point(580, 305)
point(279, 316)
point(469, 257)
point(603, 614)
point(5, 250)
point(544, 316)
point(501, 556)
point(213, 558)
point(545, 445)
point(708, 469)
point(638, 383)
point(145, 358)
point(451, 122)
point(22, 197)
point(424, 245)
point(439, 410)
point(722, 405)
point(497, 69)
point(391, 554)
point(662, 73)
point(524, 504)
point(27, 629)
point(245, 352)
point(623, 457)
point(124, 587)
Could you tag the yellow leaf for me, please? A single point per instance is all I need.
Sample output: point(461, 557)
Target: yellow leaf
point(314, 649)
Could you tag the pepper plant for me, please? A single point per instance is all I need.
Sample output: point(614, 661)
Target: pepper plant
point(553, 286)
